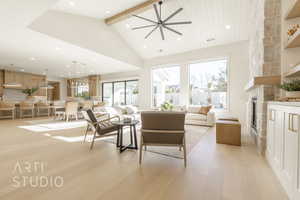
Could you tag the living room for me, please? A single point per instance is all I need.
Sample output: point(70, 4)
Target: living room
point(150, 99)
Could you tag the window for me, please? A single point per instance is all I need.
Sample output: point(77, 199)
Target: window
point(81, 88)
point(132, 91)
point(107, 93)
point(208, 83)
point(120, 92)
point(166, 85)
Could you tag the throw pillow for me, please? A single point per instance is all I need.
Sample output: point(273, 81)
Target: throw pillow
point(204, 110)
point(131, 109)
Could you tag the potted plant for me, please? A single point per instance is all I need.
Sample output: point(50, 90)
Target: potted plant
point(29, 92)
point(292, 88)
point(167, 106)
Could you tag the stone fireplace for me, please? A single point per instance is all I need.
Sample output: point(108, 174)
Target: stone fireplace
point(265, 60)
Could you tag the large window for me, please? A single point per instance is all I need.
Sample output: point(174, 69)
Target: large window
point(81, 88)
point(166, 85)
point(208, 83)
point(120, 92)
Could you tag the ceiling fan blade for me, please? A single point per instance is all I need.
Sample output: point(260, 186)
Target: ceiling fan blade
point(172, 15)
point(149, 20)
point(141, 27)
point(162, 33)
point(151, 32)
point(177, 23)
point(156, 12)
point(172, 30)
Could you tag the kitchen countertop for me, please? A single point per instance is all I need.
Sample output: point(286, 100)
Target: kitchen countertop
point(285, 103)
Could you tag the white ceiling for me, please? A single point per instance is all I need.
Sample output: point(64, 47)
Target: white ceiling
point(209, 17)
point(19, 43)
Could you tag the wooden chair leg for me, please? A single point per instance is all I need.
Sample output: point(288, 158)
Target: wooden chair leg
point(87, 128)
point(184, 152)
point(92, 145)
point(141, 150)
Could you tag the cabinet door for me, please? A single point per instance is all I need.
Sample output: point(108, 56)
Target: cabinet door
point(271, 129)
point(290, 150)
point(278, 138)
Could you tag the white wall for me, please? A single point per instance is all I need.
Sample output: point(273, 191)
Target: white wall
point(238, 57)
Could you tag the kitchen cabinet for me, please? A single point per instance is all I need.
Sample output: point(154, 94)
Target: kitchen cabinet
point(283, 145)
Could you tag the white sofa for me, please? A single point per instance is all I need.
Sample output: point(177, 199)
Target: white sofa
point(193, 117)
point(121, 111)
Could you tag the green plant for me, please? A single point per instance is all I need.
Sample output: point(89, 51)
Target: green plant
point(167, 106)
point(291, 86)
point(30, 91)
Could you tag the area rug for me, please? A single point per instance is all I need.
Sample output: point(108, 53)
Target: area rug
point(44, 126)
point(193, 137)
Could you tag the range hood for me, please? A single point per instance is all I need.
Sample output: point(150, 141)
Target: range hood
point(12, 85)
point(263, 80)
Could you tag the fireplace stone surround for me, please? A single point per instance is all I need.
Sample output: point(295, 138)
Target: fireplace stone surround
point(265, 60)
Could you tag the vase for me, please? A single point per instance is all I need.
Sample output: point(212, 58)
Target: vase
point(292, 94)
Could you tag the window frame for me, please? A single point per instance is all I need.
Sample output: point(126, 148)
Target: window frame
point(227, 109)
point(113, 87)
point(152, 77)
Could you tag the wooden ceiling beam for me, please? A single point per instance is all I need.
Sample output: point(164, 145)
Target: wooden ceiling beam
point(131, 11)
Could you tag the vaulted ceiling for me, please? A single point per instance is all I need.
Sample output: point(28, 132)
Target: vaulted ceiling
point(51, 34)
point(221, 21)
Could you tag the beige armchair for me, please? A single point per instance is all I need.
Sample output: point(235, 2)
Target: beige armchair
point(7, 110)
point(43, 106)
point(26, 106)
point(163, 129)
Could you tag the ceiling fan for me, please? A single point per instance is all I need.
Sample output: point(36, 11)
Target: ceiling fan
point(161, 24)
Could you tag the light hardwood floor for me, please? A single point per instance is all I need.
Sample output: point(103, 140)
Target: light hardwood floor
point(214, 172)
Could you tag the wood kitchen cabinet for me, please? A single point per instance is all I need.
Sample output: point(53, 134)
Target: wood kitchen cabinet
point(26, 80)
point(283, 145)
point(1, 83)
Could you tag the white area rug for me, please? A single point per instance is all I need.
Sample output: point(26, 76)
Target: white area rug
point(42, 126)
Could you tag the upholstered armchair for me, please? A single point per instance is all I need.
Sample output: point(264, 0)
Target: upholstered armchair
point(101, 128)
point(7, 109)
point(26, 106)
point(163, 129)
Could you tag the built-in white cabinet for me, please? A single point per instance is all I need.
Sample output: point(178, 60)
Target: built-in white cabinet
point(283, 145)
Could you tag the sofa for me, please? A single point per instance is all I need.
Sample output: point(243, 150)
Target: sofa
point(193, 117)
point(127, 111)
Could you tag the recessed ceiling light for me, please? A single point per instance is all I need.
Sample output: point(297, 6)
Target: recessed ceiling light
point(57, 48)
point(228, 27)
point(107, 12)
point(72, 3)
point(145, 46)
point(127, 26)
point(32, 59)
point(179, 39)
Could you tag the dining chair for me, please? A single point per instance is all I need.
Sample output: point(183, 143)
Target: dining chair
point(71, 110)
point(26, 106)
point(43, 106)
point(7, 108)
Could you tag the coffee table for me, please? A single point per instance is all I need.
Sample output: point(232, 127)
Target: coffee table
point(133, 139)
